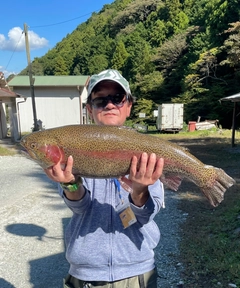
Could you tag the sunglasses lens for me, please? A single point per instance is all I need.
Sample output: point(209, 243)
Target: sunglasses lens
point(117, 99)
point(101, 102)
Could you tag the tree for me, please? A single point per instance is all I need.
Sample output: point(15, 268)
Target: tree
point(176, 19)
point(170, 52)
point(135, 11)
point(219, 13)
point(232, 46)
point(144, 106)
point(149, 86)
point(206, 68)
point(157, 33)
point(10, 77)
point(119, 57)
point(97, 63)
point(60, 67)
point(37, 68)
point(195, 10)
point(139, 55)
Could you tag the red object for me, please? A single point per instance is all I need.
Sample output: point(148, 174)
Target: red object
point(191, 126)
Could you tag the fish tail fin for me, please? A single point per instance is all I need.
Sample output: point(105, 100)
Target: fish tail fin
point(215, 189)
point(126, 184)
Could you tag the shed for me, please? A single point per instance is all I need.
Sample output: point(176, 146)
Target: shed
point(8, 116)
point(59, 101)
point(233, 98)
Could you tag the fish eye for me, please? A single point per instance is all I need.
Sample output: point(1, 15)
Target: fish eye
point(33, 145)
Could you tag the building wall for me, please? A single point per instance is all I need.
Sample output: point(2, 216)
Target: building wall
point(54, 107)
point(3, 121)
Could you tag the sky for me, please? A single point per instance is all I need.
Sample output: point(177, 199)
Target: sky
point(48, 22)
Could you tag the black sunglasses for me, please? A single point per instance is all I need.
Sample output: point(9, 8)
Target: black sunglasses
point(101, 102)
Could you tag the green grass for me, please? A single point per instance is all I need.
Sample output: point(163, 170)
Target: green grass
point(6, 152)
point(210, 245)
point(212, 133)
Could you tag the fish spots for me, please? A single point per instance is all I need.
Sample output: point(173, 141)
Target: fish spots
point(104, 164)
point(117, 155)
point(106, 152)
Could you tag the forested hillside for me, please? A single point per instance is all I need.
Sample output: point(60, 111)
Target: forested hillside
point(171, 51)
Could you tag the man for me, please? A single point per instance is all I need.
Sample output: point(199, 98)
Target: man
point(111, 236)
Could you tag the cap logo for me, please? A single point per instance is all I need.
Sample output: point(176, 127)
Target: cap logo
point(112, 74)
point(109, 74)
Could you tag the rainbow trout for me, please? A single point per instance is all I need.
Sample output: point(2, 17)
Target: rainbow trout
point(106, 152)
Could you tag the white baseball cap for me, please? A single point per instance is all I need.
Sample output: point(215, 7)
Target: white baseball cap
point(109, 74)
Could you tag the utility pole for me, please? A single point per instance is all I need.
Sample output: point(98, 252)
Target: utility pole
point(31, 79)
point(80, 104)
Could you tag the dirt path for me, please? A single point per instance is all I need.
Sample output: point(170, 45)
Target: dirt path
point(32, 220)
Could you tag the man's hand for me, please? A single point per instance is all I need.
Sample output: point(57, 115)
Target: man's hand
point(64, 175)
point(141, 176)
point(59, 174)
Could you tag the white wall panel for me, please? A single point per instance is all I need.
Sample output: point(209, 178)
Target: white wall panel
point(54, 107)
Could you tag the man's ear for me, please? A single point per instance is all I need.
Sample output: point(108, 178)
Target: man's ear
point(89, 108)
point(129, 109)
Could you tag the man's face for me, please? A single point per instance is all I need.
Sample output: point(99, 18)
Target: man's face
point(111, 114)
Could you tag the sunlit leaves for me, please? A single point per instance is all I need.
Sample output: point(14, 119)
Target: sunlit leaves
point(144, 106)
point(232, 46)
point(119, 57)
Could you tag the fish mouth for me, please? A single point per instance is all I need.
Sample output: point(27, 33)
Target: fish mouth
point(25, 153)
point(32, 156)
point(28, 153)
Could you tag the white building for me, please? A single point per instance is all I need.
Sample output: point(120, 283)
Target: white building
point(59, 101)
point(8, 115)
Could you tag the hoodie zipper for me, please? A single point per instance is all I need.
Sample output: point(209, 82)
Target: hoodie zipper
point(112, 205)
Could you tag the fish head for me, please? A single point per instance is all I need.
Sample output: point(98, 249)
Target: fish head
point(42, 149)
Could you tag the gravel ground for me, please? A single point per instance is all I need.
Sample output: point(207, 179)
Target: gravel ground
point(32, 222)
point(167, 252)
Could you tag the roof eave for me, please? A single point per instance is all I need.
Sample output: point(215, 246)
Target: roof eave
point(232, 98)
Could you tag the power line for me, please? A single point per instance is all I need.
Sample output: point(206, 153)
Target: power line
point(13, 52)
point(48, 25)
point(58, 23)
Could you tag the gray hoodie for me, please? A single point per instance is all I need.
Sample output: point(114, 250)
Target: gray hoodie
point(98, 247)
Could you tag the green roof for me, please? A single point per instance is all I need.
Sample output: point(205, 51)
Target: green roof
point(65, 80)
